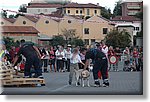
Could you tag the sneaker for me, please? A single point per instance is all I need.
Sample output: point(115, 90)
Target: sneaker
point(26, 77)
point(97, 84)
point(105, 83)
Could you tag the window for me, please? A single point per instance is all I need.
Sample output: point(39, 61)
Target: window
point(86, 41)
point(88, 11)
point(92, 40)
point(77, 11)
point(137, 28)
point(105, 30)
point(69, 21)
point(2, 23)
point(86, 30)
point(38, 10)
point(24, 22)
point(45, 10)
point(95, 11)
point(80, 11)
point(68, 11)
point(46, 21)
point(64, 11)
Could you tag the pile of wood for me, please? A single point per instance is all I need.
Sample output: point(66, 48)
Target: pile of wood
point(8, 78)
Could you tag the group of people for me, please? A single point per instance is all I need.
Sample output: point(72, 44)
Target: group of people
point(67, 59)
point(132, 58)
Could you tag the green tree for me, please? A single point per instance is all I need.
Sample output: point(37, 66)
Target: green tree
point(106, 13)
point(58, 40)
point(23, 8)
point(118, 38)
point(68, 34)
point(76, 41)
point(3, 14)
point(118, 9)
point(11, 16)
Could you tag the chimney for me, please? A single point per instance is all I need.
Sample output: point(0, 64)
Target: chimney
point(97, 4)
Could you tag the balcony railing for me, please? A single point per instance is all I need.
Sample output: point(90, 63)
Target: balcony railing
point(133, 7)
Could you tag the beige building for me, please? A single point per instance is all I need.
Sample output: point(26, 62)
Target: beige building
point(95, 29)
point(90, 30)
point(82, 9)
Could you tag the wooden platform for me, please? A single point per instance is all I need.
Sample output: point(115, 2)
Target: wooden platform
point(8, 78)
point(24, 82)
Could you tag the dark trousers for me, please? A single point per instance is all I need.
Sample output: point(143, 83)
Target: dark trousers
point(34, 62)
point(67, 63)
point(81, 66)
point(60, 64)
point(101, 65)
point(45, 62)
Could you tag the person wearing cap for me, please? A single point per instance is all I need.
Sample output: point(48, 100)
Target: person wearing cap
point(100, 63)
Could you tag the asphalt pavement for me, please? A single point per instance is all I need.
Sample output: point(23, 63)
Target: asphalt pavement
point(121, 83)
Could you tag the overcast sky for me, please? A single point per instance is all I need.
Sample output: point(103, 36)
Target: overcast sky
point(14, 4)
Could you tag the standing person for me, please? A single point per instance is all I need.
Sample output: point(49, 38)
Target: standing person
point(111, 53)
point(32, 55)
point(135, 55)
point(82, 55)
point(68, 57)
point(45, 58)
point(52, 59)
point(75, 59)
point(12, 53)
point(104, 48)
point(100, 63)
point(59, 57)
point(126, 54)
point(118, 54)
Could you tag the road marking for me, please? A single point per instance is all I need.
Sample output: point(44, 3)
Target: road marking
point(58, 89)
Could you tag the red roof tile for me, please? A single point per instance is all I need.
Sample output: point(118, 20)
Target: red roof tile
point(11, 20)
point(18, 29)
point(32, 18)
point(45, 6)
point(76, 5)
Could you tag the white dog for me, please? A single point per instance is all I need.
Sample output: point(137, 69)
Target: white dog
point(82, 75)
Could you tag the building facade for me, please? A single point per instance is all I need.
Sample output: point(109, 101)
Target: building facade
point(82, 9)
point(131, 7)
point(91, 30)
point(28, 33)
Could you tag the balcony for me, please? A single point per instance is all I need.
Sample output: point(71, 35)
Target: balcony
point(134, 7)
point(132, 13)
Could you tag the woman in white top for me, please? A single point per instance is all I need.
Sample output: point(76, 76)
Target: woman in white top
point(68, 57)
point(60, 55)
point(75, 59)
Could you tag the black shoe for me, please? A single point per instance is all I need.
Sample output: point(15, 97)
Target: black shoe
point(97, 84)
point(78, 83)
point(45, 71)
point(38, 76)
point(105, 83)
point(70, 83)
